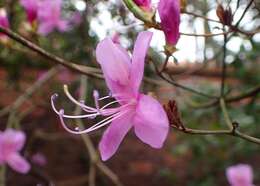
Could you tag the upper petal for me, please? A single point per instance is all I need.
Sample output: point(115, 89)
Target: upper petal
point(115, 64)
point(140, 49)
point(150, 122)
point(113, 136)
point(18, 163)
point(12, 140)
point(169, 11)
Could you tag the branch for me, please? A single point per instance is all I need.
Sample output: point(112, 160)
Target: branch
point(30, 91)
point(250, 93)
point(244, 13)
point(90, 71)
point(224, 67)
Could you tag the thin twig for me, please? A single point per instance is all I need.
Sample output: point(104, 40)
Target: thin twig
point(224, 68)
point(250, 93)
point(244, 13)
point(30, 91)
point(95, 161)
point(179, 85)
point(225, 113)
point(90, 71)
point(201, 16)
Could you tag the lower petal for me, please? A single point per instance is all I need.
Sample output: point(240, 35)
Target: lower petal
point(114, 135)
point(18, 163)
point(150, 122)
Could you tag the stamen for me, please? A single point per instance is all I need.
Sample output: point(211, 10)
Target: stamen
point(96, 97)
point(53, 97)
point(94, 127)
point(86, 108)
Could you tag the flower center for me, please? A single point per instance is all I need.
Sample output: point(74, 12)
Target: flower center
point(109, 112)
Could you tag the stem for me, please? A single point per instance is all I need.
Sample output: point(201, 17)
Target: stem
point(225, 113)
point(94, 159)
point(224, 68)
point(244, 13)
point(30, 91)
point(90, 71)
point(2, 175)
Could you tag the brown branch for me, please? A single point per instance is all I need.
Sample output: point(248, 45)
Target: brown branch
point(90, 71)
point(200, 16)
point(250, 93)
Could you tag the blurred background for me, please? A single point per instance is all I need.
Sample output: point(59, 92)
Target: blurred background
point(27, 81)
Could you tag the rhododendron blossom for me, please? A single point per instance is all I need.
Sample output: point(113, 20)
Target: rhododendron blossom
point(123, 77)
point(169, 11)
point(31, 8)
point(11, 142)
point(240, 175)
point(3, 20)
point(145, 4)
point(49, 17)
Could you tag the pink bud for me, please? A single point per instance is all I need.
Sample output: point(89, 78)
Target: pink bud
point(31, 8)
point(3, 20)
point(145, 4)
point(169, 11)
point(115, 38)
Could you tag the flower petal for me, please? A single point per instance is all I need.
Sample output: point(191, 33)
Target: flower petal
point(63, 25)
point(114, 135)
point(12, 140)
point(241, 174)
point(18, 163)
point(150, 122)
point(114, 63)
point(140, 49)
point(45, 28)
point(169, 11)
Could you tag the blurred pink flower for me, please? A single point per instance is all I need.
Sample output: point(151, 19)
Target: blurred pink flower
point(76, 18)
point(11, 142)
point(49, 17)
point(31, 8)
point(240, 175)
point(3, 20)
point(169, 11)
point(116, 37)
point(65, 76)
point(39, 159)
point(123, 76)
point(145, 4)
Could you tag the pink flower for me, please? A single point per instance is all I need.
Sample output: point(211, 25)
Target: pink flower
point(76, 18)
point(123, 77)
point(65, 76)
point(169, 11)
point(145, 4)
point(11, 142)
point(3, 20)
point(240, 175)
point(49, 17)
point(39, 159)
point(116, 38)
point(31, 8)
